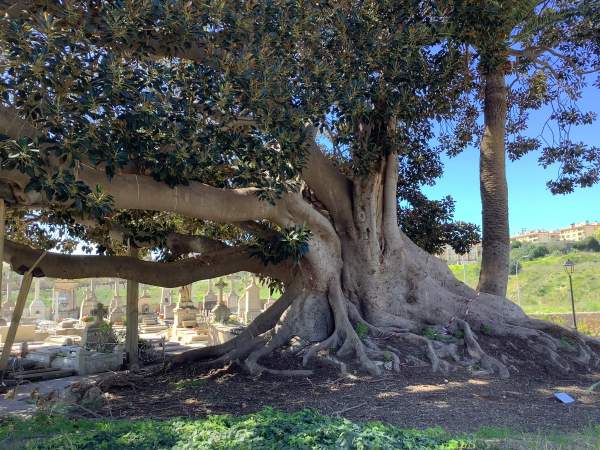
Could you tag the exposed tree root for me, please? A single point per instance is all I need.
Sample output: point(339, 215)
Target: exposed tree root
point(474, 349)
point(448, 340)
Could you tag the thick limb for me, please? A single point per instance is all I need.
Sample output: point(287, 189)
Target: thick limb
point(172, 274)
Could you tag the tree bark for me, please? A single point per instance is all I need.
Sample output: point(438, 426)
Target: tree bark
point(171, 274)
point(493, 278)
point(17, 313)
point(2, 232)
point(131, 338)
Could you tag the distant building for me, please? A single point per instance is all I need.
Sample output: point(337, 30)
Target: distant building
point(578, 232)
point(451, 257)
point(537, 236)
point(574, 233)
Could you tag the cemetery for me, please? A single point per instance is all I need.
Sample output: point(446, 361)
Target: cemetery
point(68, 336)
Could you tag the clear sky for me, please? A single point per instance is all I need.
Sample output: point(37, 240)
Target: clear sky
point(531, 205)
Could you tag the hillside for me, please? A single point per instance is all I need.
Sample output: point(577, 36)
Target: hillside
point(544, 285)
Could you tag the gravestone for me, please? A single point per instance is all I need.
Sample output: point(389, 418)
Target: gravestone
point(232, 302)
point(98, 335)
point(220, 312)
point(117, 310)
point(89, 302)
point(251, 304)
point(166, 308)
point(210, 299)
point(65, 304)
point(269, 302)
point(38, 309)
point(184, 314)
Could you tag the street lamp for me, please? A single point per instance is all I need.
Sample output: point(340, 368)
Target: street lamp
point(517, 277)
point(570, 268)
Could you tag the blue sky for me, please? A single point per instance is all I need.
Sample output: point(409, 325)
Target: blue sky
point(531, 205)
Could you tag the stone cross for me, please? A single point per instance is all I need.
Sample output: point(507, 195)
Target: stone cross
point(220, 286)
point(99, 312)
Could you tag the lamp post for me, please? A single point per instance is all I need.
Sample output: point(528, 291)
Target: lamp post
point(517, 270)
point(570, 268)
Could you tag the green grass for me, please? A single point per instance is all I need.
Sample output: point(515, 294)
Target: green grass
point(503, 438)
point(544, 285)
point(267, 429)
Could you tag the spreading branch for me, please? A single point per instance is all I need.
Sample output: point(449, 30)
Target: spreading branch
point(331, 187)
point(141, 192)
point(169, 275)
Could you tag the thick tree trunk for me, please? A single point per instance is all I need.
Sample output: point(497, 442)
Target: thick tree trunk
point(373, 299)
point(493, 277)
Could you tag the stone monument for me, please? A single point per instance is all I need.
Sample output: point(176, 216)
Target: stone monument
point(166, 304)
point(269, 301)
point(251, 305)
point(88, 303)
point(220, 312)
point(145, 305)
point(64, 300)
point(38, 309)
point(210, 299)
point(184, 313)
point(232, 301)
point(95, 334)
point(117, 311)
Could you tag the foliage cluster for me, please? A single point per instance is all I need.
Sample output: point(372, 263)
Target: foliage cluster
point(267, 429)
point(589, 244)
point(134, 96)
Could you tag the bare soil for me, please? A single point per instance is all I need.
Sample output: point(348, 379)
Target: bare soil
point(414, 398)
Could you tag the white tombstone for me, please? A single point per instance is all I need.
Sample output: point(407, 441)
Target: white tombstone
point(116, 308)
point(210, 299)
point(89, 302)
point(166, 304)
point(252, 304)
point(38, 309)
point(184, 314)
point(233, 301)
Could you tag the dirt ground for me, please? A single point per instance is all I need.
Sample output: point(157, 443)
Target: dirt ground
point(415, 398)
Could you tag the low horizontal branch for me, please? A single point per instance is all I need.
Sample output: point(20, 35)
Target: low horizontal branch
point(165, 274)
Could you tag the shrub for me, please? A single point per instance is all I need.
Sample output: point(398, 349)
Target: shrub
point(515, 244)
point(539, 251)
point(589, 244)
point(515, 266)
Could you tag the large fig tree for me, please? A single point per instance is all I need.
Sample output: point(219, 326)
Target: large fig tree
point(272, 137)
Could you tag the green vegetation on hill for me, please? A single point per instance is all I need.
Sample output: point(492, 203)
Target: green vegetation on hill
point(544, 285)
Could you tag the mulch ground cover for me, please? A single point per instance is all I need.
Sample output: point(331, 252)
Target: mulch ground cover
point(414, 398)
